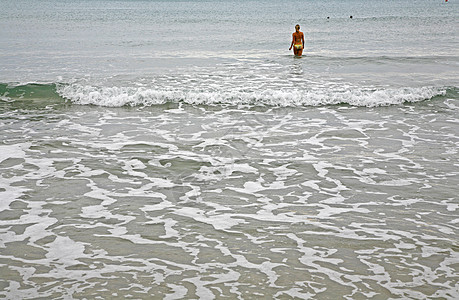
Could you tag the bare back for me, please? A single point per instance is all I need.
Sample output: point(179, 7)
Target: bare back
point(298, 38)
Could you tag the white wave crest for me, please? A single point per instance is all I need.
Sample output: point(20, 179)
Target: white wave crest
point(134, 96)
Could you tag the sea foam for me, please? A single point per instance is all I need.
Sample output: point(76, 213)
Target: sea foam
point(135, 96)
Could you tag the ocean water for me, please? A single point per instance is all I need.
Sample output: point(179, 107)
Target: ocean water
point(177, 150)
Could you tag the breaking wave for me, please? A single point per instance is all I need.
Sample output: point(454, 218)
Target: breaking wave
point(144, 96)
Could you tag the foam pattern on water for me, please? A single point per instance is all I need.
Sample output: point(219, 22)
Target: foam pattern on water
point(180, 201)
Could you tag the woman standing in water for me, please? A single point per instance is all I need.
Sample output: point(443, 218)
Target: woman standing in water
point(297, 41)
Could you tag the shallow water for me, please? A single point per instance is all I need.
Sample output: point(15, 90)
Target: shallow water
point(195, 201)
point(229, 168)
